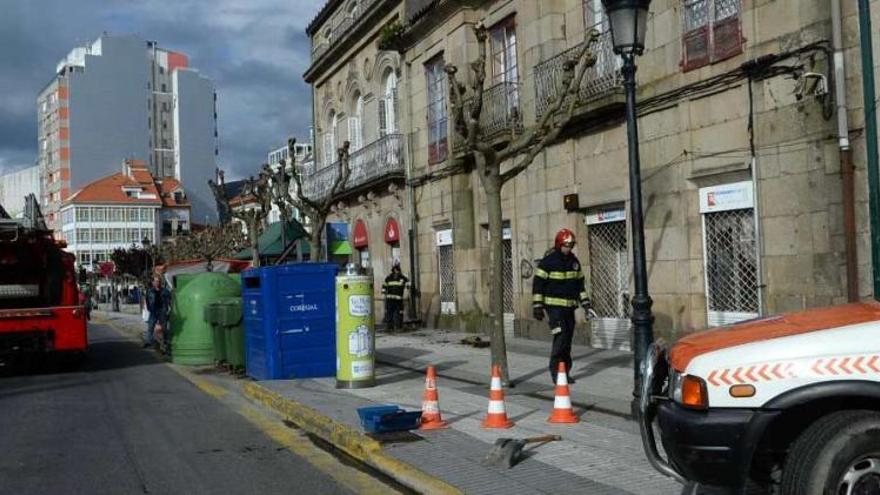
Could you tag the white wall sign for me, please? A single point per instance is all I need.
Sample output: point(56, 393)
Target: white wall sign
point(605, 216)
point(444, 237)
point(736, 196)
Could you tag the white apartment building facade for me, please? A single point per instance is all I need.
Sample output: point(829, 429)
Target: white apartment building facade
point(124, 209)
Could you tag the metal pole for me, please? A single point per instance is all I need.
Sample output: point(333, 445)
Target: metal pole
point(871, 138)
point(642, 318)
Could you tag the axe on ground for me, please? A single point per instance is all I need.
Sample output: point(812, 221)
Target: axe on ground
point(506, 451)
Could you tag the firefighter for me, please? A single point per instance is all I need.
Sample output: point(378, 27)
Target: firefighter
point(558, 289)
point(393, 290)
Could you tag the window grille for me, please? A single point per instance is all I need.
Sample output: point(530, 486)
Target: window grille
point(508, 276)
point(447, 279)
point(731, 266)
point(609, 285)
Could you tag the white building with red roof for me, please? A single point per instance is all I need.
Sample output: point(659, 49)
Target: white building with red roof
point(128, 207)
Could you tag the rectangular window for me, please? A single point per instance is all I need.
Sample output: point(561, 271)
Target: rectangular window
point(99, 215)
point(100, 236)
point(711, 32)
point(503, 51)
point(84, 235)
point(117, 235)
point(132, 236)
point(132, 215)
point(438, 143)
point(146, 215)
point(100, 257)
point(117, 215)
point(82, 215)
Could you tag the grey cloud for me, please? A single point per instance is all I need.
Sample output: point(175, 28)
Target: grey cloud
point(254, 52)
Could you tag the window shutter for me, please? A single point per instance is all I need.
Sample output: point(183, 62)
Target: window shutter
point(696, 51)
point(383, 118)
point(354, 133)
point(726, 37)
point(696, 48)
point(328, 149)
point(392, 121)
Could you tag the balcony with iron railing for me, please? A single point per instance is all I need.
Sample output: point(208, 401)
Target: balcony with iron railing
point(382, 159)
point(320, 49)
point(501, 116)
point(602, 80)
point(342, 28)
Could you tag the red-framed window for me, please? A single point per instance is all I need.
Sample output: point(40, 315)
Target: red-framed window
point(438, 140)
point(712, 32)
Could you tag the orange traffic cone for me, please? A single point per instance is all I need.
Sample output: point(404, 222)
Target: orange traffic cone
point(431, 419)
point(496, 417)
point(562, 410)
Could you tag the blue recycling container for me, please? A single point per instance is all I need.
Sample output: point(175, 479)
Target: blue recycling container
point(290, 321)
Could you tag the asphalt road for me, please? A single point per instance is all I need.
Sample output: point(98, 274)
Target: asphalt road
point(126, 423)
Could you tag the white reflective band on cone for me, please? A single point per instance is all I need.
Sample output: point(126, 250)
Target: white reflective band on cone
point(562, 402)
point(496, 407)
point(496, 383)
point(430, 407)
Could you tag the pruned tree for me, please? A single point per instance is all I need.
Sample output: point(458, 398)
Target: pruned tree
point(498, 165)
point(212, 243)
point(314, 209)
point(254, 219)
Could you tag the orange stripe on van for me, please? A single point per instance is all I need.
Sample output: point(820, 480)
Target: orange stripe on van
point(812, 320)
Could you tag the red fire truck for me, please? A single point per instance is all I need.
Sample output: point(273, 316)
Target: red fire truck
point(40, 311)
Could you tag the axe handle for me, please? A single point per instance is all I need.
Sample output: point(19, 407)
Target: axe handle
point(545, 438)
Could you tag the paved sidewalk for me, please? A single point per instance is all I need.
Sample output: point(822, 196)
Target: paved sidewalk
point(600, 455)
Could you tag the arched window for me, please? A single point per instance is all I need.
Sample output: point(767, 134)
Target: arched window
point(388, 106)
point(355, 129)
point(330, 139)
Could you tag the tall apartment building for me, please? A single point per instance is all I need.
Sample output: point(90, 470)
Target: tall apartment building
point(123, 97)
point(742, 182)
point(15, 186)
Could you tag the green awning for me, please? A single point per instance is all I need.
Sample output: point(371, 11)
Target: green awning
point(270, 241)
point(340, 248)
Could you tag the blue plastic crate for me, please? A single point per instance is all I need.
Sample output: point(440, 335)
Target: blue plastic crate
point(388, 418)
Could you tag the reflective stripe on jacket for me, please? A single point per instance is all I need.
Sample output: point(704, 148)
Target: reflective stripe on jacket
point(559, 281)
point(393, 286)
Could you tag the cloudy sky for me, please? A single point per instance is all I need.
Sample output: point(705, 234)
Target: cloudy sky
point(255, 51)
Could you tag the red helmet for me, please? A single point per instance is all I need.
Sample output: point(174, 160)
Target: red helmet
point(564, 236)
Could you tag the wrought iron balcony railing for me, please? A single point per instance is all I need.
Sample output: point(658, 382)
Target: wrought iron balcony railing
point(501, 114)
point(320, 49)
point(379, 159)
point(339, 31)
point(599, 80)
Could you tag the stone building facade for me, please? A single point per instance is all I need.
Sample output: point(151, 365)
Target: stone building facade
point(739, 151)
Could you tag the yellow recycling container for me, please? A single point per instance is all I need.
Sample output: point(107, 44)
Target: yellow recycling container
point(355, 332)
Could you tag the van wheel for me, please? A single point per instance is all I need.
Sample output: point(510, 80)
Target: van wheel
point(839, 454)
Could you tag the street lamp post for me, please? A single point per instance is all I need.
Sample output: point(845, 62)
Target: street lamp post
point(628, 20)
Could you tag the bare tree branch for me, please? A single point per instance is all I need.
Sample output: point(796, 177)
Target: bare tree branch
point(538, 135)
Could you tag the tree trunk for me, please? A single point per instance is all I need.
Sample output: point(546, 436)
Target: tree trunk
point(316, 252)
point(492, 185)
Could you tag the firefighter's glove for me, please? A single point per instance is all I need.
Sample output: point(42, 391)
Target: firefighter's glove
point(538, 312)
point(588, 309)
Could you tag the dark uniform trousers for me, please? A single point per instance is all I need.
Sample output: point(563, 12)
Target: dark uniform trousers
point(560, 317)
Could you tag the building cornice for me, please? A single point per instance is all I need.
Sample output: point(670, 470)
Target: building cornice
point(365, 23)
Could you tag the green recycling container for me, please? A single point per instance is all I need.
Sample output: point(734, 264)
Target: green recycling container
point(193, 340)
point(212, 317)
point(233, 331)
point(355, 332)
